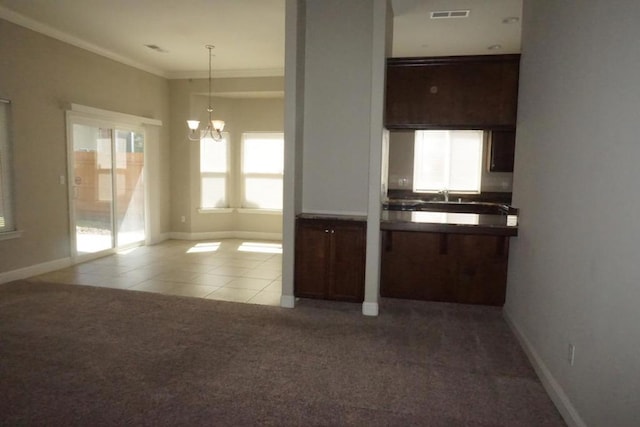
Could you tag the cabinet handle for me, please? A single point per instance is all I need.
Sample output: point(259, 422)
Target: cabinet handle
point(333, 231)
point(326, 230)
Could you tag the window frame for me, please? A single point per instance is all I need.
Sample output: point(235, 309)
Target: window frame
point(8, 227)
point(268, 175)
point(447, 172)
point(226, 175)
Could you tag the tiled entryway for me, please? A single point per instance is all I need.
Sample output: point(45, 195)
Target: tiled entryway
point(228, 270)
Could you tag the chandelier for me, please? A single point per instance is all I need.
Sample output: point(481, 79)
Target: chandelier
point(214, 127)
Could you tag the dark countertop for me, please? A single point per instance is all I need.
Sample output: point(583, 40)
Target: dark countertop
point(339, 217)
point(434, 221)
point(485, 196)
point(448, 222)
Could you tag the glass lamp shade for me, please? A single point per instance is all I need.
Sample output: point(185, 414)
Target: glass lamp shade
point(193, 124)
point(218, 125)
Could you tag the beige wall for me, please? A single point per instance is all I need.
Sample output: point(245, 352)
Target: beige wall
point(41, 76)
point(246, 105)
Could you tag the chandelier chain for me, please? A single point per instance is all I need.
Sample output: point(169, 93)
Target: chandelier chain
point(214, 128)
point(210, 109)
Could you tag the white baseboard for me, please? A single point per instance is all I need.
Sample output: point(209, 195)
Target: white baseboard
point(256, 235)
point(179, 235)
point(46, 267)
point(35, 270)
point(209, 235)
point(370, 308)
point(287, 301)
point(553, 388)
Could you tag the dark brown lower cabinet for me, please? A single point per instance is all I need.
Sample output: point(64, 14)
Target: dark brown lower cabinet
point(330, 259)
point(461, 268)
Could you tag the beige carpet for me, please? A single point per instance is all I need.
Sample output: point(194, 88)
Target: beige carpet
point(74, 355)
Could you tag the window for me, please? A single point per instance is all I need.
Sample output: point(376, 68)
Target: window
point(262, 168)
point(6, 188)
point(448, 160)
point(214, 172)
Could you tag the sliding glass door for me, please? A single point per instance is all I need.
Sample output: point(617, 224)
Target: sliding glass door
point(107, 197)
point(129, 184)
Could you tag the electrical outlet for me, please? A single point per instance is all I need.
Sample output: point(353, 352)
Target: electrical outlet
point(571, 353)
point(183, 218)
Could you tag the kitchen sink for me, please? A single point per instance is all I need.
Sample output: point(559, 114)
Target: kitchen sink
point(403, 204)
point(441, 206)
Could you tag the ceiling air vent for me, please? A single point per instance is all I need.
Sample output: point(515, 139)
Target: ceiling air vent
point(156, 48)
point(444, 14)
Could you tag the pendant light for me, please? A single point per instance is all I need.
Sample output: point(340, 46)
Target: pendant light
point(214, 127)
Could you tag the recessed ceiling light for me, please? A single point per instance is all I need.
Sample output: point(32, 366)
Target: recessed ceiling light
point(495, 47)
point(511, 20)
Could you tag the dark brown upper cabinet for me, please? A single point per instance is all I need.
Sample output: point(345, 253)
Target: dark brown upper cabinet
point(503, 146)
point(462, 92)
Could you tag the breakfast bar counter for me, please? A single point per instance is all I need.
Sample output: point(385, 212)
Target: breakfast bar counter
point(449, 252)
point(450, 222)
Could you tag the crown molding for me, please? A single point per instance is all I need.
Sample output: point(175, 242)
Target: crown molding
point(262, 72)
point(265, 94)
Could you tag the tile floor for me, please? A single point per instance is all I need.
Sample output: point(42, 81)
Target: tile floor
point(228, 270)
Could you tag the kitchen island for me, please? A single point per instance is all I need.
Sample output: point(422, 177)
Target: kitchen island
point(447, 252)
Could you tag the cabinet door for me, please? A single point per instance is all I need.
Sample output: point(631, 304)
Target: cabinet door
point(418, 95)
point(348, 252)
point(312, 259)
point(415, 266)
point(503, 146)
point(479, 264)
point(452, 93)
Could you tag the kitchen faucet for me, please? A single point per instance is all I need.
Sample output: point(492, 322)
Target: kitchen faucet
point(445, 193)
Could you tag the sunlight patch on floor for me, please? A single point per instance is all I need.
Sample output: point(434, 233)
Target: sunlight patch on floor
point(204, 247)
point(261, 247)
point(89, 243)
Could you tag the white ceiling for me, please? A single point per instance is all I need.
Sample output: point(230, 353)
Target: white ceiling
point(248, 34)
point(416, 34)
